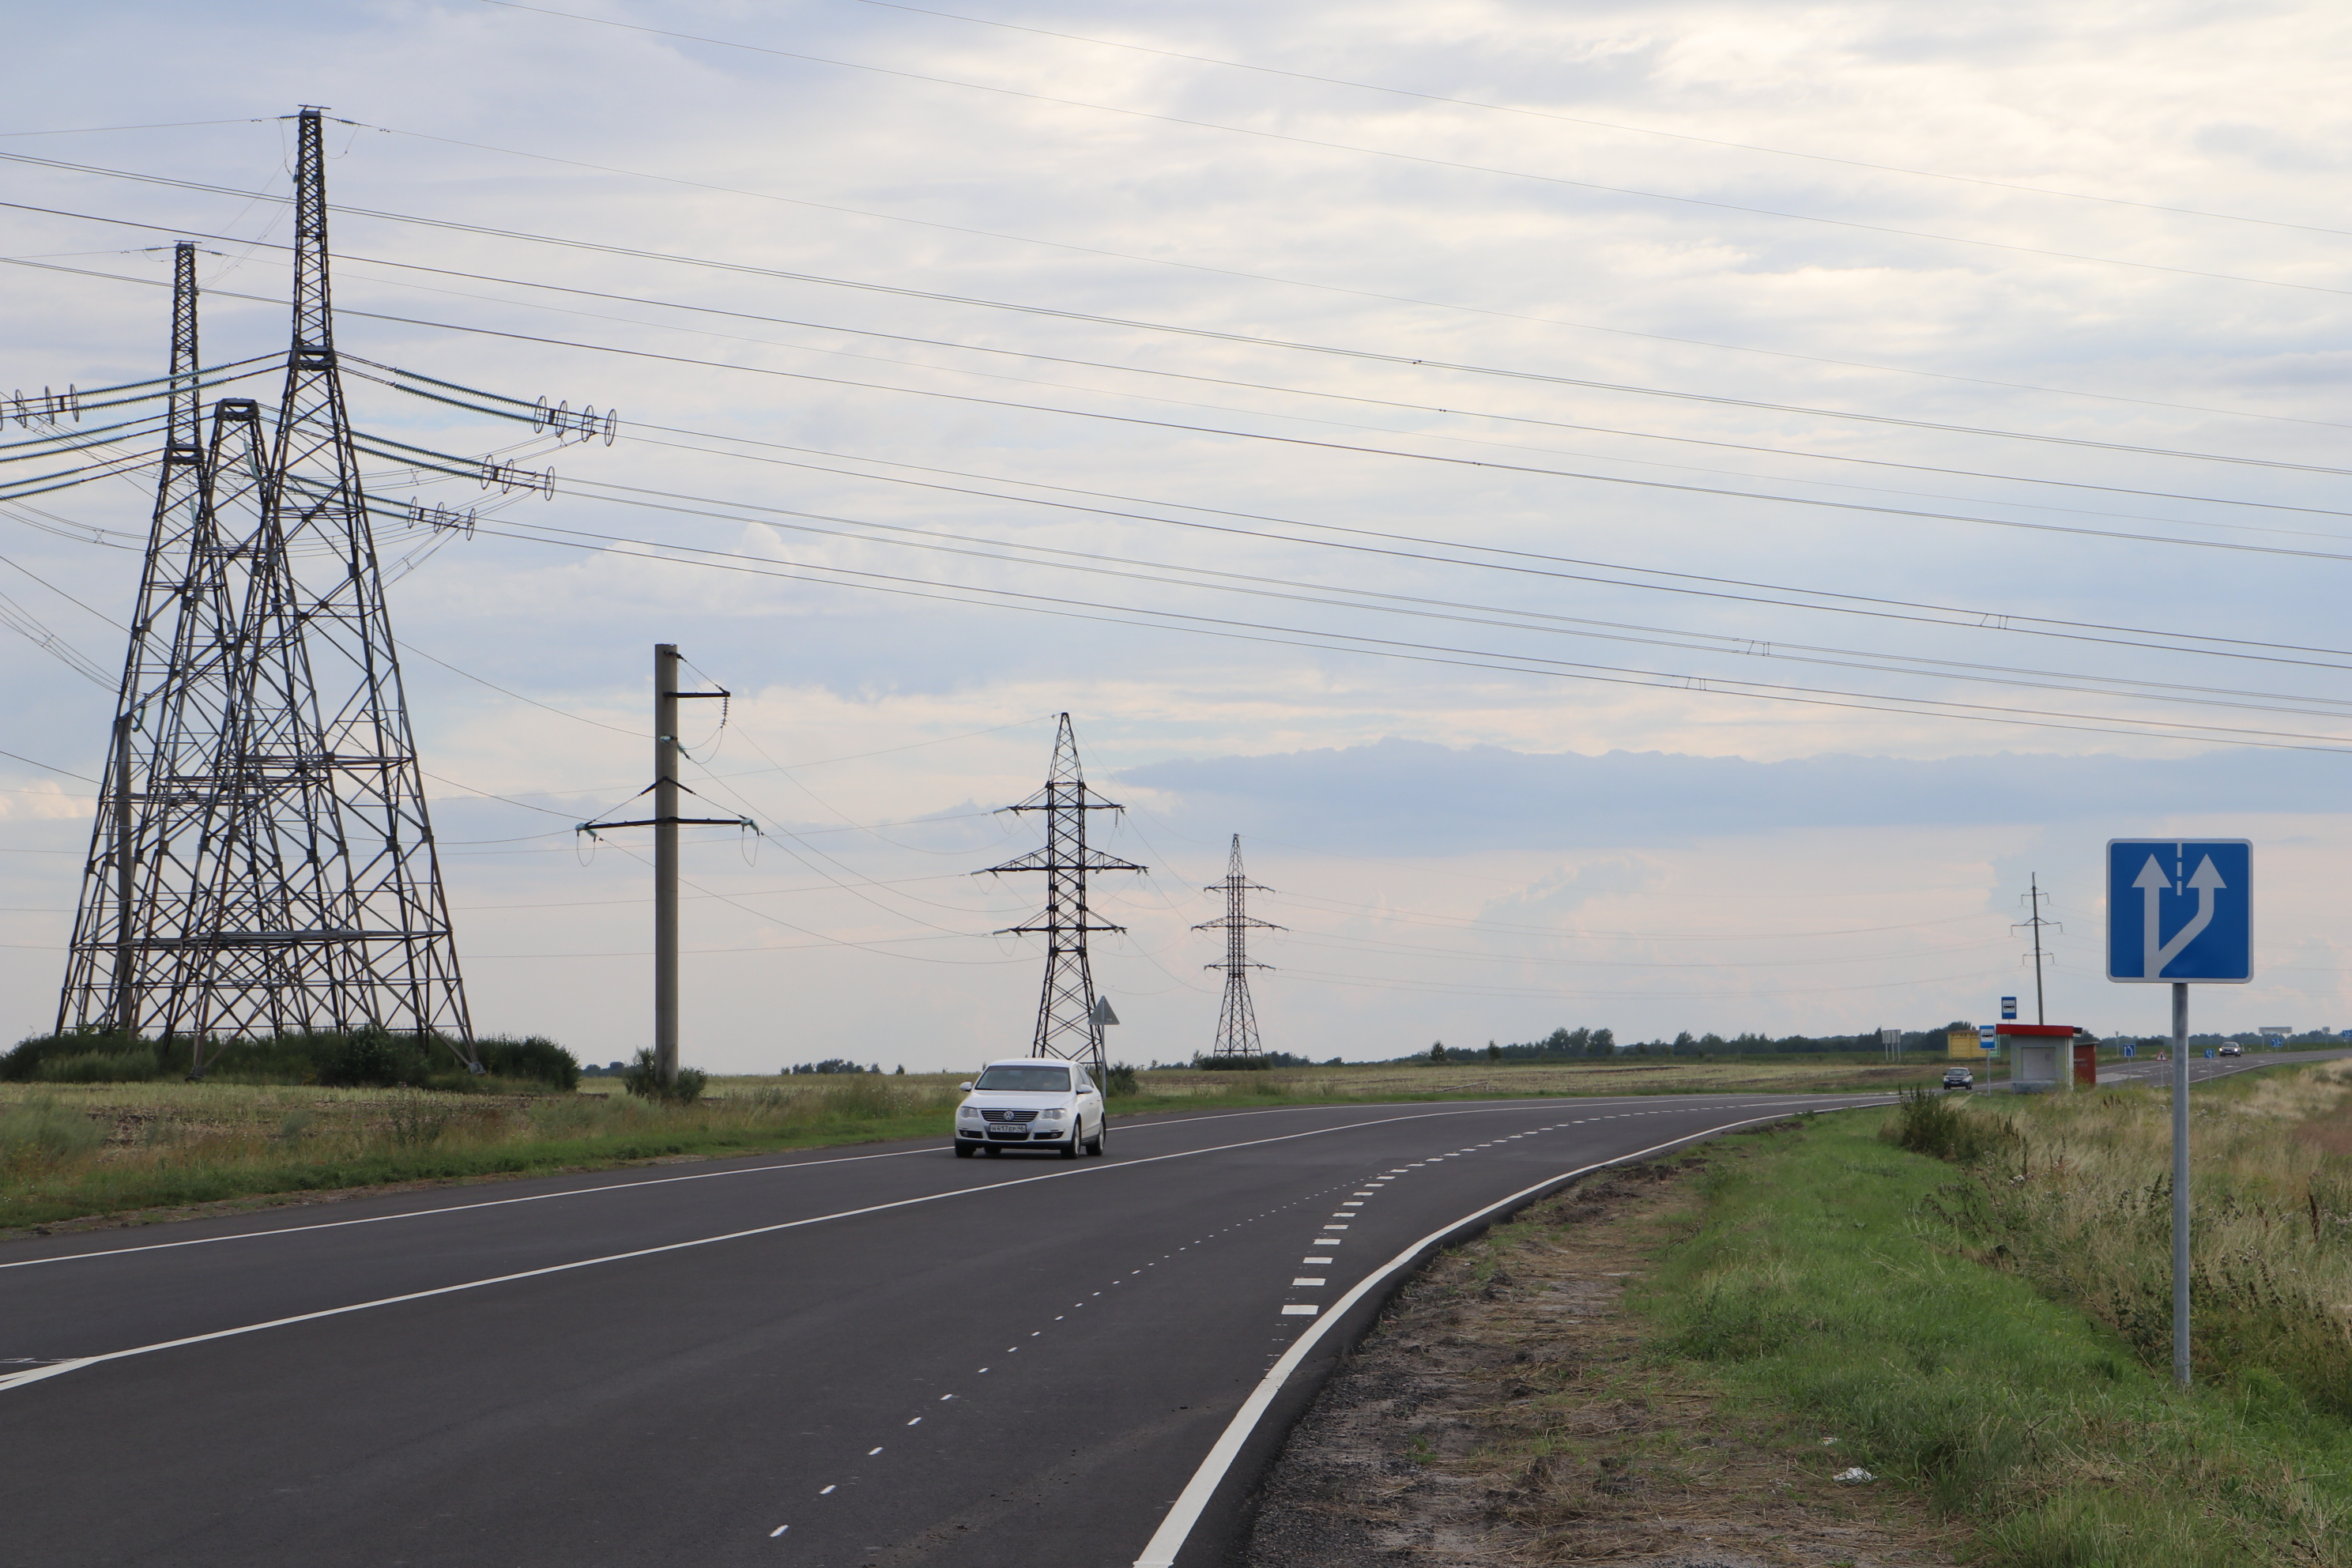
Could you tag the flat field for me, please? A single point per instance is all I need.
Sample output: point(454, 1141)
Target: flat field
point(71, 1152)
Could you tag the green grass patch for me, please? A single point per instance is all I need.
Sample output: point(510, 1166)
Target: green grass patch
point(1828, 1285)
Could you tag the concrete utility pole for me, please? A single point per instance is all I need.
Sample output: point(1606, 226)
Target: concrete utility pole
point(666, 859)
point(2034, 924)
point(666, 822)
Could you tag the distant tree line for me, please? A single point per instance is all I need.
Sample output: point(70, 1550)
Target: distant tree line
point(1565, 1044)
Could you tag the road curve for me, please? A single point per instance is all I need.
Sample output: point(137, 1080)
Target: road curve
point(877, 1355)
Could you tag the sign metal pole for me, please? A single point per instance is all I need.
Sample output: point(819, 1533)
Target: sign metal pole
point(2180, 913)
point(2181, 1183)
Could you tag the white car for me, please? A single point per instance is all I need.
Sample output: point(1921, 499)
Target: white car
point(1030, 1102)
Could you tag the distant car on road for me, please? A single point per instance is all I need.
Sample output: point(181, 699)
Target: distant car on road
point(2234, 1049)
point(1960, 1078)
point(1030, 1102)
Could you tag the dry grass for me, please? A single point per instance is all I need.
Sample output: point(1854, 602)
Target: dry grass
point(2080, 1202)
point(69, 1151)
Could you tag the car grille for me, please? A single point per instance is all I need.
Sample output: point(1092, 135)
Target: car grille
point(1009, 1115)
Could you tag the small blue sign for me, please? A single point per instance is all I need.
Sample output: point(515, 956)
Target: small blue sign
point(1987, 1040)
point(2008, 1009)
point(2180, 909)
point(2130, 1050)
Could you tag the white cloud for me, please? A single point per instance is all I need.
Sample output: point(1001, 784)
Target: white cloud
point(2187, 109)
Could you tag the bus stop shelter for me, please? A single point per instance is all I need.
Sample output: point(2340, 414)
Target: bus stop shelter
point(2046, 1057)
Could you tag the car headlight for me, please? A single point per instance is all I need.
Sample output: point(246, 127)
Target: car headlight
point(967, 1113)
point(1054, 1115)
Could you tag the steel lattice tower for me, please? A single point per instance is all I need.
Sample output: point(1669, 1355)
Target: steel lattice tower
point(140, 884)
point(1068, 1024)
point(315, 898)
point(1237, 1014)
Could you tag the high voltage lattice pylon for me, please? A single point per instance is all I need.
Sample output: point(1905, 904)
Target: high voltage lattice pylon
point(1237, 1014)
point(262, 858)
point(1068, 1024)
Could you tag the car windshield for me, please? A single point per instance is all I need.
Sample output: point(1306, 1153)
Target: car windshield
point(1025, 1080)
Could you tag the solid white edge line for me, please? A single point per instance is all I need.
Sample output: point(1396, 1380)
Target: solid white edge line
point(1177, 1527)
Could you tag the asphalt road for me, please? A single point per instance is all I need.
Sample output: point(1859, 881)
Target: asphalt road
point(2158, 1074)
point(880, 1355)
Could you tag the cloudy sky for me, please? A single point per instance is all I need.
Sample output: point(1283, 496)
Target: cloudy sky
point(1663, 516)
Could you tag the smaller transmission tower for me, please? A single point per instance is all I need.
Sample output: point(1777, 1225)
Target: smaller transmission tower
point(1068, 1025)
point(1237, 1016)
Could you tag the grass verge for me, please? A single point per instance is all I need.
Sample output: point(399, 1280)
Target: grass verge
point(68, 1153)
point(1829, 1281)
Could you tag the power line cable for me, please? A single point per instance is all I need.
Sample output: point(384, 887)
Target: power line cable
point(1260, 584)
point(1385, 299)
point(1065, 608)
point(1848, 603)
point(1400, 406)
point(1056, 313)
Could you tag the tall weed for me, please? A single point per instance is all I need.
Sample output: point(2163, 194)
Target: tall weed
point(39, 1131)
point(1927, 1122)
point(2079, 1200)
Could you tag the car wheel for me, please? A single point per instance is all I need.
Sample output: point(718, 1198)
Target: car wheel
point(963, 1151)
point(1102, 1131)
point(1077, 1136)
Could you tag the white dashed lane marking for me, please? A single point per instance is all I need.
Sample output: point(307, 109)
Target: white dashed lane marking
point(1346, 1212)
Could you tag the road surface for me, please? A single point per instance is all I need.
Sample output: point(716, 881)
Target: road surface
point(878, 1355)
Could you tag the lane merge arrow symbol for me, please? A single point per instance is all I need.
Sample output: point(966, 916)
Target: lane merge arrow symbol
point(2153, 885)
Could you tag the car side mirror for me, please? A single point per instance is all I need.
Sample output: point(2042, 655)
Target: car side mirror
point(965, 1087)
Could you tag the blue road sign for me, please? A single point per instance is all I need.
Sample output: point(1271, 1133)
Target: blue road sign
point(2180, 909)
point(2008, 1009)
point(2130, 1050)
point(1987, 1040)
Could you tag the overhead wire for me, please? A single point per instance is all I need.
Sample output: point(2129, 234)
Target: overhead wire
point(1065, 608)
point(1382, 298)
point(1315, 393)
point(1061, 313)
point(1874, 605)
point(1262, 585)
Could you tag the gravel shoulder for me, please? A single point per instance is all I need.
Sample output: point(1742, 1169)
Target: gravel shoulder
point(1504, 1410)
